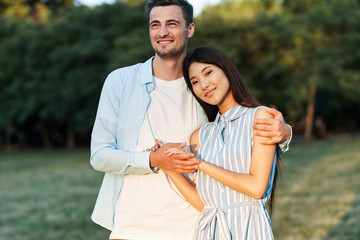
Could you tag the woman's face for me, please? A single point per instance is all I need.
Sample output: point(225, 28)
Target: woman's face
point(211, 85)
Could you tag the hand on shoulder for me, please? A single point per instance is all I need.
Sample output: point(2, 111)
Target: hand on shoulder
point(263, 113)
point(269, 124)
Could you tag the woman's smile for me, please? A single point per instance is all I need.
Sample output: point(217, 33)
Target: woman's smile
point(210, 93)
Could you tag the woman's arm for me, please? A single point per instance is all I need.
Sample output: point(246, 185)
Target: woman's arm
point(187, 189)
point(255, 182)
point(185, 185)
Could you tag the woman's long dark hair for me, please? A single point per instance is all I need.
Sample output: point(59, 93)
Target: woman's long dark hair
point(240, 91)
point(238, 86)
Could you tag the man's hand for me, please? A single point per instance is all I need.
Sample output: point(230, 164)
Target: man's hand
point(182, 162)
point(276, 130)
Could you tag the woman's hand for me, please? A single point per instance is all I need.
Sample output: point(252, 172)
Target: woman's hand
point(172, 151)
point(183, 162)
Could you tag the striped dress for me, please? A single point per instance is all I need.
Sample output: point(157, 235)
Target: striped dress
point(228, 214)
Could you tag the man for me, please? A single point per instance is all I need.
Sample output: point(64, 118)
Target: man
point(139, 104)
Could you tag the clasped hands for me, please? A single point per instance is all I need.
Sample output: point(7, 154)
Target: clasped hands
point(173, 157)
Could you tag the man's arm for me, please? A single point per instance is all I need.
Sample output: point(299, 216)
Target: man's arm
point(276, 130)
point(105, 155)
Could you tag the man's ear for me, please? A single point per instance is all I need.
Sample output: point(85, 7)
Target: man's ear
point(191, 30)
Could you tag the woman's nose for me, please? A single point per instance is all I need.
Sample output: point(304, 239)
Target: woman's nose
point(204, 84)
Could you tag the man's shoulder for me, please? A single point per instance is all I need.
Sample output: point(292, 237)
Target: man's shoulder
point(130, 71)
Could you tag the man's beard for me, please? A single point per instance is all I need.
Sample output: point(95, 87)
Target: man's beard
point(172, 53)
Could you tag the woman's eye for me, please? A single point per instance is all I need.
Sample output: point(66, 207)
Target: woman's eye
point(208, 73)
point(194, 82)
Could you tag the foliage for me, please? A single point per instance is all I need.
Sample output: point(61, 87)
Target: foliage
point(17, 8)
point(301, 56)
point(290, 53)
point(35, 10)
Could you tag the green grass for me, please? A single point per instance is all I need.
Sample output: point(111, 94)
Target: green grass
point(319, 197)
point(50, 195)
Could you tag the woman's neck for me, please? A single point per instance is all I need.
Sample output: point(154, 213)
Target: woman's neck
point(228, 103)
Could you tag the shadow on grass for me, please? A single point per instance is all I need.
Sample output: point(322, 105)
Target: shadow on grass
point(349, 225)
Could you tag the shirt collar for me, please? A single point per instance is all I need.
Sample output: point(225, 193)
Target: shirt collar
point(145, 70)
point(232, 114)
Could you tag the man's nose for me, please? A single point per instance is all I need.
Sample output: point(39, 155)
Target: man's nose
point(163, 31)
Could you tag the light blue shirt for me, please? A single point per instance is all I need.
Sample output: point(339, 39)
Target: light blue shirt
point(123, 103)
point(124, 100)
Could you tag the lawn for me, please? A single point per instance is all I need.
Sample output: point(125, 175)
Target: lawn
point(50, 195)
point(319, 197)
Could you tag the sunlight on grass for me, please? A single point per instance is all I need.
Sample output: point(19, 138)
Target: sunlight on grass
point(50, 195)
point(321, 189)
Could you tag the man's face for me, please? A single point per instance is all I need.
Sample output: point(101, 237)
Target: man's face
point(168, 31)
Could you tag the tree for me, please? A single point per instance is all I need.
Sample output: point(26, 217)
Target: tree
point(34, 10)
point(64, 63)
point(319, 50)
point(15, 8)
point(289, 54)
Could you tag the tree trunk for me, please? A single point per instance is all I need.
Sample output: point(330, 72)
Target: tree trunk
point(70, 136)
point(310, 113)
point(45, 136)
point(2, 140)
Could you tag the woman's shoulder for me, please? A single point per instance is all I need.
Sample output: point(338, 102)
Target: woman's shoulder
point(261, 112)
point(195, 141)
point(203, 130)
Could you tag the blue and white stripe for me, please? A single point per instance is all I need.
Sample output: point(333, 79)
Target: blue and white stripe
point(228, 214)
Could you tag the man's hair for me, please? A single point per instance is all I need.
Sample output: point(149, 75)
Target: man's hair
point(186, 7)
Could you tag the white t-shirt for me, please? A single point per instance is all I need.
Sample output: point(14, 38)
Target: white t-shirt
point(150, 207)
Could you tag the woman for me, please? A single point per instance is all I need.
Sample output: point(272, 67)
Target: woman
point(236, 173)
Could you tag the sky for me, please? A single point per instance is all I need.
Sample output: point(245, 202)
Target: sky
point(197, 4)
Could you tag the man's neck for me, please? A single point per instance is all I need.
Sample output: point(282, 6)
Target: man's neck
point(168, 69)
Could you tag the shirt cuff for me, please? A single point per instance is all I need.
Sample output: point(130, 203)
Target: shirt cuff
point(141, 161)
point(285, 146)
